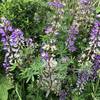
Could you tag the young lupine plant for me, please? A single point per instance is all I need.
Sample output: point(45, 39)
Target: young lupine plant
point(82, 18)
point(50, 82)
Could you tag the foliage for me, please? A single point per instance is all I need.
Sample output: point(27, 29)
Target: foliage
point(28, 16)
point(50, 50)
point(5, 85)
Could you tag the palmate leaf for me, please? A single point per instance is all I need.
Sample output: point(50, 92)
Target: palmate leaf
point(5, 85)
point(32, 70)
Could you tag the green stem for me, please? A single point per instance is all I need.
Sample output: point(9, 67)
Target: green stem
point(18, 92)
point(95, 89)
point(23, 90)
point(96, 86)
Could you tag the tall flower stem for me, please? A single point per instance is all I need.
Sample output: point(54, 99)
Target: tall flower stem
point(50, 81)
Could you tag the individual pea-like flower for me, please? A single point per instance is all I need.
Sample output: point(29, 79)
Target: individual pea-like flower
point(53, 41)
point(83, 77)
point(85, 1)
point(29, 42)
point(73, 31)
point(98, 15)
point(96, 66)
point(4, 40)
point(2, 32)
point(7, 25)
point(62, 95)
point(6, 64)
point(53, 62)
point(44, 55)
point(49, 29)
point(53, 48)
point(56, 33)
point(56, 4)
point(46, 47)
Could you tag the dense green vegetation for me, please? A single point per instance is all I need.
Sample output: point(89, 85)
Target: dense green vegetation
point(49, 50)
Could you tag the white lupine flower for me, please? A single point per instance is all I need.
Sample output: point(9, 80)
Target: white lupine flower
point(53, 48)
point(52, 40)
point(98, 16)
point(56, 33)
point(53, 63)
point(16, 55)
point(46, 47)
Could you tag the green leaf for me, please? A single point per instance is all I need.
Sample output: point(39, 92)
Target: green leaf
point(98, 10)
point(5, 85)
point(36, 68)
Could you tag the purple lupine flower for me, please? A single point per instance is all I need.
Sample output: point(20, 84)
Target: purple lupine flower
point(2, 32)
point(85, 1)
point(95, 35)
point(10, 28)
point(6, 65)
point(44, 55)
point(4, 37)
point(56, 4)
point(29, 42)
point(13, 40)
point(95, 31)
point(96, 66)
point(16, 38)
point(5, 42)
point(62, 95)
point(9, 41)
point(7, 24)
point(48, 30)
point(73, 31)
point(83, 77)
